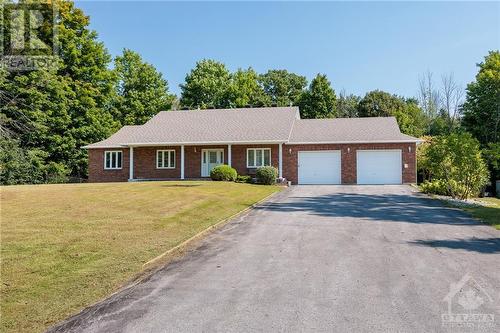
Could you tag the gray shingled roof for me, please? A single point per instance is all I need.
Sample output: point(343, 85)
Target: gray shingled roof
point(340, 130)
point(263, 125)
point(271, 124)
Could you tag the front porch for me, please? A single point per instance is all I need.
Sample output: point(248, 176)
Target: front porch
point(196, 161)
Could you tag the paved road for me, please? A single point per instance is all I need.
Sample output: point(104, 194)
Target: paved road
point(319, 258)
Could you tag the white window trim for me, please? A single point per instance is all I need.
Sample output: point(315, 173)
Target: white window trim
point(255, 157)
point(113, 152)
point(165, 151)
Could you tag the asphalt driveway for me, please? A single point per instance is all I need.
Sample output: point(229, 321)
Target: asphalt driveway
point(320, 258)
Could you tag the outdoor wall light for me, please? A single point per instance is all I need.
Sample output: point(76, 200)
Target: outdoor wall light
point(290, 151)
point(348, 149)
point(409, 149)
point(195, 149)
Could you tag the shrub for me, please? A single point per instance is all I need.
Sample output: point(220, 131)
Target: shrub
point(244, 179)
point(267, 175)
point(437, 186)
point(456, 160)
point(224, 173)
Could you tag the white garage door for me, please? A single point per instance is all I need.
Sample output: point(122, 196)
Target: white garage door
point(319, 167)
point(379, 166)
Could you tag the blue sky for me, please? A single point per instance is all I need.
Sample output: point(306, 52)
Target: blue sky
point(361, 46)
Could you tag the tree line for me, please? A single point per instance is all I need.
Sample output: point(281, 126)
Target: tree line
point(47, 115)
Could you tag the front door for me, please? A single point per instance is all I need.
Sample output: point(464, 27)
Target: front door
point(210, 158)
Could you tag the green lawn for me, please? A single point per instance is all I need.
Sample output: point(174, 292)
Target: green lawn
point(64, 247)
point(488, 214)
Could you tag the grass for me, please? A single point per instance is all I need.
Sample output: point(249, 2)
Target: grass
point(64, 247)
point(488, 214)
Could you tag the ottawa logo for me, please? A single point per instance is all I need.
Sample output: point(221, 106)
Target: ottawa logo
point(468, 304)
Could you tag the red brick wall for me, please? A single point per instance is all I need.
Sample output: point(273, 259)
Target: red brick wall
point(145, 161)
point(239, 156)
point(96, 167)
point(145, 164)
point(348, 159)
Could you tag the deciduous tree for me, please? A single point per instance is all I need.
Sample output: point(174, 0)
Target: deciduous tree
point(282, 87)
point(482, 105)
point(318, 101)
point(142, 90)
point(206, 86)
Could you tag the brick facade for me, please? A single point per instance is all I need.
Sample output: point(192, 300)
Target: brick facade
point(145, 161)
point(97, 173)
point(348, 159)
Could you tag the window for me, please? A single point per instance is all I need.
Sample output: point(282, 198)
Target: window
point(258, 157)
point(165, 159)
point(113, 160)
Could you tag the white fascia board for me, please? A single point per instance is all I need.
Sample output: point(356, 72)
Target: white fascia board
point(205, 143)
point(105, 147)
point(351, 142)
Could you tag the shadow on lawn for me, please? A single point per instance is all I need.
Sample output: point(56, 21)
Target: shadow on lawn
point(181, 185)
point(482, 245)
point(407, 208)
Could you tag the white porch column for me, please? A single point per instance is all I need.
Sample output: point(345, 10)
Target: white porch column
point(131, 164)
point(229, 155)
point(182, 162)
point(280, 161)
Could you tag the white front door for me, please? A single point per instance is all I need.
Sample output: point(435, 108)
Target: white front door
point(210, 158)
point(379, 167)
point(319, 167)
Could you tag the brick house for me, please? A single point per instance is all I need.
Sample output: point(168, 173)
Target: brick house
point(188, 144)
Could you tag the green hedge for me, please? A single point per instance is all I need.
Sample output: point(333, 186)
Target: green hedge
point(244, 179)
point(223, 173)
point(267, 175)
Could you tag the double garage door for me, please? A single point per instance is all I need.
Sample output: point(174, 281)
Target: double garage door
point(372, 167)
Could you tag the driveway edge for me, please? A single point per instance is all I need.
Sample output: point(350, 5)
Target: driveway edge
point(151, 267)
point(180, 249)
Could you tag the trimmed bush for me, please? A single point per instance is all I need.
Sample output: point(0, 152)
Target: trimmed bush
point(223, 173)
point(244, 179)
point(267, 175)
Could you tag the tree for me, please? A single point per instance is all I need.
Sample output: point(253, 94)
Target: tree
point(206, 86)
point(318, 101)
point(59, 110)
point(492, 156)
point(482, 105)
point(282, 87)
point(142, 91)
point(85, 67)
point(244, 90)
point(456, 159)
point(410, 117)
point(441, 105)
point(347, 105)
point(428, 98)
point(451, 101)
